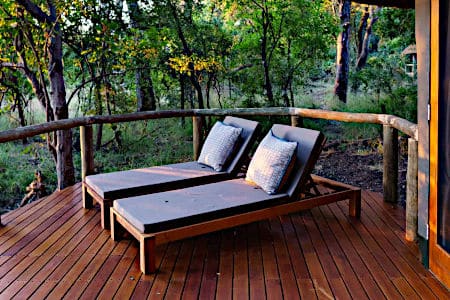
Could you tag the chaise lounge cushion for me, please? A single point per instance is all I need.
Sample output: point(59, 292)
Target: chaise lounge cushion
point(173, 209)
point(270, 163)
point(219, 145)
point(153, 179)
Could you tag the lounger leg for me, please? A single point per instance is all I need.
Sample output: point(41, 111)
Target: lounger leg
point(116, 227)
point(104, 211)
point(88, 201)
point(147, 254)
point(355, 204)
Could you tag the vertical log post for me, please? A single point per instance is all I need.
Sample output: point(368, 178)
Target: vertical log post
point(87, 160)
point(412, 191)
point(296, 121)
point(197, 135)
point(390, 164)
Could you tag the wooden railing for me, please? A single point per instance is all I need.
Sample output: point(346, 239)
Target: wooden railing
point(391, 126)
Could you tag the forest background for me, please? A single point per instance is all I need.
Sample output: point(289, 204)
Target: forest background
point(62, 59)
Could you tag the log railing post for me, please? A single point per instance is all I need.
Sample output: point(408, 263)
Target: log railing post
point(197, 135)
point(87, 160)
point(411, 191)
point(296, 121)
point(390, 164)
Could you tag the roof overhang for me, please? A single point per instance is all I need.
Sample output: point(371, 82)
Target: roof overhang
point(392, 3)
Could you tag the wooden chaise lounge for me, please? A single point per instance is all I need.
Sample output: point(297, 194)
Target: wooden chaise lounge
point(107, 187)
point(173, 215)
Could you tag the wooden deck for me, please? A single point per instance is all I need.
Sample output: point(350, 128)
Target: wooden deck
point(54, 248)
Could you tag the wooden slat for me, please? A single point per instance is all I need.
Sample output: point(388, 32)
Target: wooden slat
point(255, 267)
point(354, 259)
point(287, 277)
point(46, 256)
point(398, 261)
point(354, 286)
point(195, 272)
point(176, 284)
point(162, 278)
point(71, 255)
point(240, 261)
point(226, 264)
point(328, 265)
point(271, 276)
point(209, 278)
point(57, 249)
point(298, 262)
point(319, 280)
point(364, 251)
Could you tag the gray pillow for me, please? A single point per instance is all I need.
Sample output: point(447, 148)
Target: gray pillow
point(219, 145)
point(270, 162)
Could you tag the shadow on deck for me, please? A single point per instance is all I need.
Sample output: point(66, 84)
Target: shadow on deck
point(54, 248)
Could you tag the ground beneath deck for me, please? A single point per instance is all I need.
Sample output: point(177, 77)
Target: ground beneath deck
point(54, 248)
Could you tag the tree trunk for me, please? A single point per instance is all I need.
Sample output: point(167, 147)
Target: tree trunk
point(57, 108)
point(146, 99)
point(145, 93)
point(208, 90)
point(182, 97)
point(98, 112)
point(64, 162)
point(187, 51)
point(362, 58)
point(342, 55)
point(362, 28)
point(265, 62)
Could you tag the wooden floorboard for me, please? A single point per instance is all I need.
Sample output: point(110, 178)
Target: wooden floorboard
point(53, 248)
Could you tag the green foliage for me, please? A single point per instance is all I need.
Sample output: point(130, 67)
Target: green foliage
point(394, 23)
point(402, 102)
point(150, 143)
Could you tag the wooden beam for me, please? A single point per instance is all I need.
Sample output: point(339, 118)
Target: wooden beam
point(411, 191)
point(390, 164)
point(28, 131)
point(296, 121)
point(87, 161)
point(197, 136)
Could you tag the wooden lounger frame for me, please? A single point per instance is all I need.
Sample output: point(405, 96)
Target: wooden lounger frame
point(148, 241)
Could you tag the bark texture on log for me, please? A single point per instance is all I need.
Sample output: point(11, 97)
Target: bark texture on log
point(343, 51)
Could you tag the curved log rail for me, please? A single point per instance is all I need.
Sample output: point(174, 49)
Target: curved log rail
point(400, 124)
point(391, 125)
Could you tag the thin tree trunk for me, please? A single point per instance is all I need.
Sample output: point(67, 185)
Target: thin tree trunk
point(99, 112)
point(362, 28)
point(362, 58)
point(265, 62)
point(342, 55)
point(64, 165)
point(208, 89)
point(182, 97)
point(145, 93)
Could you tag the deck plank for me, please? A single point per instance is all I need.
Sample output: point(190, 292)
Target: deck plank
point(240, 261)
point(340, 259)
point(226, 266)
point(255, 267)
point(176, 284)
point(381, 244)
point(53, 248)
point(271, 276)
point(318, 277)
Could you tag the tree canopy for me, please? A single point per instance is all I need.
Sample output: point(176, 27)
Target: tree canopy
point(104, 57)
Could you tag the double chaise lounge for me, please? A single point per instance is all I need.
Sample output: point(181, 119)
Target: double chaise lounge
point(107, 187)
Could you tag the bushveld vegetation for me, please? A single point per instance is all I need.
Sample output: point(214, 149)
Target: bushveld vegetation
point(122, 56)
